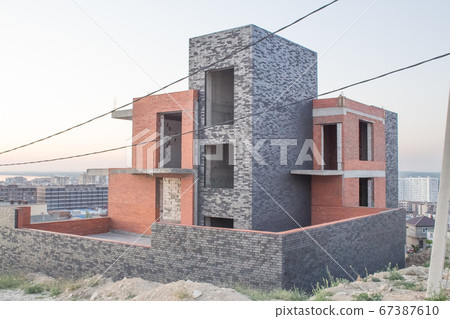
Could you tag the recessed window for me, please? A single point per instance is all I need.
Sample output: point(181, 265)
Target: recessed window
point(366, 192)
point(219, 222)
point(170, 147)
point(220, 97)
point(424, 229)
point(330, 146)
point(219, 168)
point(365, 141)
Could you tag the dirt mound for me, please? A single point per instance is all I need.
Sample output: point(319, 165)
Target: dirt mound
point(139, 289)
point(418, 259)
point(188, 290)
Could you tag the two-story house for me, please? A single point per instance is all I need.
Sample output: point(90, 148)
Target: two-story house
point(417, 229)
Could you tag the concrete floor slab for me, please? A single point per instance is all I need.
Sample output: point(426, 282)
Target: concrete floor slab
point(128, 238)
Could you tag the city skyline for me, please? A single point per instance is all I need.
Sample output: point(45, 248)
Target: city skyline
point(64, 69)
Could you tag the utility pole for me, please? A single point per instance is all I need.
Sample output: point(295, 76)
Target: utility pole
point(441, 222)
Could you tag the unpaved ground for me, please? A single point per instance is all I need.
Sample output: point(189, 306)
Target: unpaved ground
point(412, 287)
point(125, 289)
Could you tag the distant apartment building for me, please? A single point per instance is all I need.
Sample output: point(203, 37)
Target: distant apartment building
point(41, 181)
point(16, 180)
point(420, 208)
point(57, 197)
point(61, 180)
point(21, 194)
point(76, 197)
point(94, 177)
point(418, 189)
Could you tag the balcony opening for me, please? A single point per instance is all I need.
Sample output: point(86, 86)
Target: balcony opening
point(219, 166)
point(170, 147)
point(219, 222)
point(330, 147)
point(365, 141)
point(220, 97)
point(366, 192)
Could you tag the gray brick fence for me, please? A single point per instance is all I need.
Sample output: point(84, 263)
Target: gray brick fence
point(224, 257)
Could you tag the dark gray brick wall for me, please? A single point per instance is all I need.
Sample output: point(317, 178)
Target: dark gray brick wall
point(369, 243)
point(226, 202)
point(283, 72)
point(221, 256)
point(262, 73)
point(391, 127)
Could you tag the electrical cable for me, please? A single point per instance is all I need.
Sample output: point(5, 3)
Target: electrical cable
point(172, 83)
point(236, 119)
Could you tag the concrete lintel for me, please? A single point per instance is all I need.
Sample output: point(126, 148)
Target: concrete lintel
point(346, 174)
point(364, 174)
point(123, 115)
point(153, 172)
point(330, 111)
point(316, 172)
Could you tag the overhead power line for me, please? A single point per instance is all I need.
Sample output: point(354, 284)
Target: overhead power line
point(236, 119)
point(172, 83)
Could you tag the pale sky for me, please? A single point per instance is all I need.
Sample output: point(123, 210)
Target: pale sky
point(57, 68)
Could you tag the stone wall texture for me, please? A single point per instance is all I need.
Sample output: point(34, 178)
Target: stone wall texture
point(267, 75)
point(225, 257)
point(391, 159)
point(226, 202)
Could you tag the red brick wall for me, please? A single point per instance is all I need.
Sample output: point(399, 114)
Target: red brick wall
point(327, 214)
point(351, 195)
point(80, 227)
point(132, 200)
point(338, 191)
point(145, 117)
point(23, 216)
point(132, 203)
point(326, 190)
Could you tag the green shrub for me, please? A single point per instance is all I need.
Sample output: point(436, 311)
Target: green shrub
point(323, 295)
point(33, 289)
point(9, 281)
point(55, 291)
point(406, 285)
point(368, 297)
point(274, 294)
point(442, 296)
point(375, 279)
point(395, 275)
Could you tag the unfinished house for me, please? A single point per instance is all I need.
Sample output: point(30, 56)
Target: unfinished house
point(245, 154)
point(226, 193)
point(243, 178)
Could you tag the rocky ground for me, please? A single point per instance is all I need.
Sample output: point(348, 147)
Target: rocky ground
point(404, 284)
point(126, 289)
point(408, 284)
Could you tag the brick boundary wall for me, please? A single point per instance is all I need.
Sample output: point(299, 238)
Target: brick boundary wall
point(360, 245)
point(82, 227)
point(220, 256)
